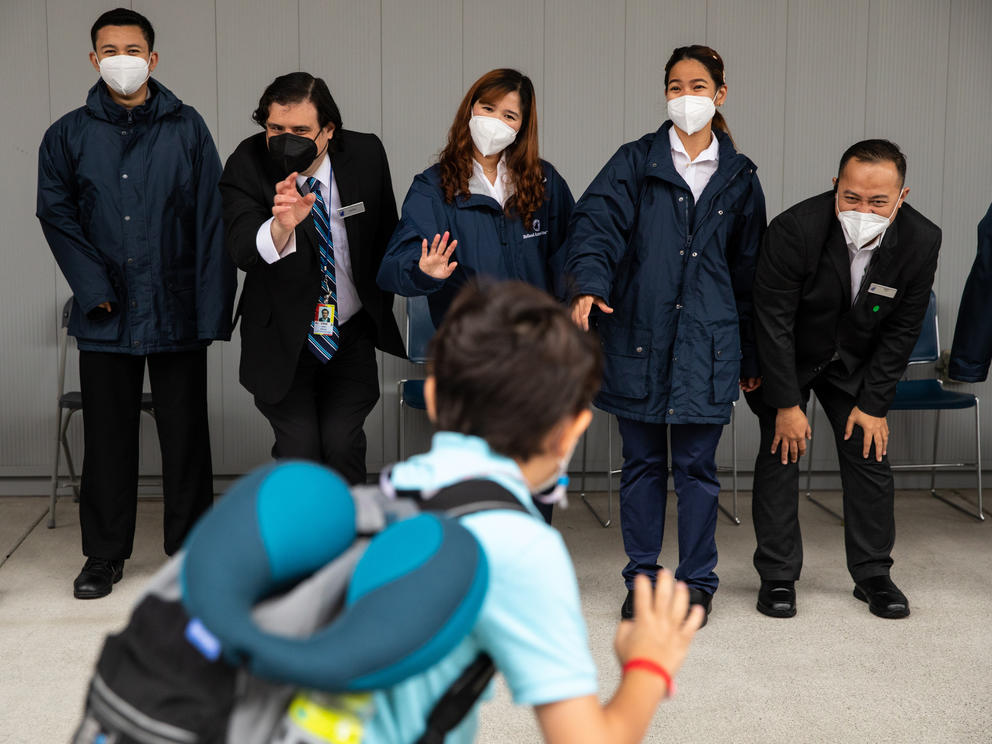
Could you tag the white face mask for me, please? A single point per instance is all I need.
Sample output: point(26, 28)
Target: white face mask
point(491, 135)
point(554, 489)
point(124, 73)
point(691, 113)
point(860, 228)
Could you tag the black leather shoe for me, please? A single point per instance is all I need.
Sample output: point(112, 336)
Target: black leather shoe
point(97, 578)
point(883, 597)
point(777, 598)
point(627, 608)
point(703, 598)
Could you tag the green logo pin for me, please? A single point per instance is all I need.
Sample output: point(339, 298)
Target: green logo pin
point(875, 309)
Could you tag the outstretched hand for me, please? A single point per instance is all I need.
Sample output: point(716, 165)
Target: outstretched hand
point(582, 306)
point(434, 260)
point(663, 624)
point(289, 209)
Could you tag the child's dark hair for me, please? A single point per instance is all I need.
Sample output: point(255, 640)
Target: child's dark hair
point(509, 364)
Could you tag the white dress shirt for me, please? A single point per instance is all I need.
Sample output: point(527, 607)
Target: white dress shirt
point(697, 173)
point(348, 301)
point(860, 258)
point(479, 184)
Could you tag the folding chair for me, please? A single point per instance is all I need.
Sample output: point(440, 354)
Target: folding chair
point(419, 331)
point(69, 402)
point(925, 395)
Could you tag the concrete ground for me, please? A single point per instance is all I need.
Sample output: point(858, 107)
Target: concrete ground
point(834, 673)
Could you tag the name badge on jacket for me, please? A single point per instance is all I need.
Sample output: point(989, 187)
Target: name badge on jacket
point(351, 209)
point(881, 289)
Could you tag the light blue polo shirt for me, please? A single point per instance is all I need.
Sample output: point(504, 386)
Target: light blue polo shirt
point(531, 621)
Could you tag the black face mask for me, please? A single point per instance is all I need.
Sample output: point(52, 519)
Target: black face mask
point(291, 152)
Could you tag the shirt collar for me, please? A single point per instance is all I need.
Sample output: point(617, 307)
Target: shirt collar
point(455, 457)
point(853, 250)
point(479, 183)
point(322, 174)
point(711, 153)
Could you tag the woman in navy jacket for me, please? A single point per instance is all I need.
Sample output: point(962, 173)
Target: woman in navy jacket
point(662, 248)
point(504, 210)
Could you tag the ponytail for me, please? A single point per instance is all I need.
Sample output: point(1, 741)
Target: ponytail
point(720, 123)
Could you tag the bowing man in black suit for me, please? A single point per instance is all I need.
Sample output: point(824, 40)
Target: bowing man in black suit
point(308, 210)
point(842, 286)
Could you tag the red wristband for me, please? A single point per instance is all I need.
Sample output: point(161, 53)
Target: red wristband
point(655, 668)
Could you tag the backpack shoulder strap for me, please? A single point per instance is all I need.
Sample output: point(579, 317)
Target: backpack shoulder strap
point(465, 497)
point(458, 700)
point(471, 496)
point(458, 500)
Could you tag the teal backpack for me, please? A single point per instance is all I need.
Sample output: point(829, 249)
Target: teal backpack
point(294, 581)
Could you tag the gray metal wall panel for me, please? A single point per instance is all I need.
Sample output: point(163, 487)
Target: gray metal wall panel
point(824, 91)
point(400, 68)
point(186, 42)
point(507, 34)
point(340, 41)
point(30, 318)
point(756, 69)
point(70, 71)
point(583, 100)
point(422, 84)
point(967, 178)
point(257, 40)
point(653, 30)
point(907, 90)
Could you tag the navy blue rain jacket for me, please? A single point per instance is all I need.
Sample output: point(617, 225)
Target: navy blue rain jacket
point(678, 276)
point(971, 351)
point(490, 241)
point(129, 204)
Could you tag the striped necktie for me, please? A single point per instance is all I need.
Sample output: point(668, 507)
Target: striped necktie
point(324, 345)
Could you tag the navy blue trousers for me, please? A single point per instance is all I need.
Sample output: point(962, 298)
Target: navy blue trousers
point(644, 494)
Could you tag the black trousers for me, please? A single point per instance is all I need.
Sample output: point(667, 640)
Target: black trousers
point(111, 388)
point(322, 416)
point(869, 523)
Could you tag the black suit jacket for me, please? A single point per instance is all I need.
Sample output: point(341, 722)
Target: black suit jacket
point(803, 310)
point(278, 300)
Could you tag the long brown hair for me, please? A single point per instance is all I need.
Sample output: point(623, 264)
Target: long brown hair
point(713, 62)
point(522, 159)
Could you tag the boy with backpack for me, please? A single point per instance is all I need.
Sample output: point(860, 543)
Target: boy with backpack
point(511, 385)
point(260, 629)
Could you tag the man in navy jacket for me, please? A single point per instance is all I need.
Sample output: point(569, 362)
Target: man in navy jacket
point(128, 201)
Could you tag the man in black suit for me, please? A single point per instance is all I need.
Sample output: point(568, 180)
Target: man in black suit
point(308, 209)
point(842, 286)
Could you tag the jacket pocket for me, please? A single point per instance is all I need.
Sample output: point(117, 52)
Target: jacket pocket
point(105, 329)
point(726, 366)
point(626, 357)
